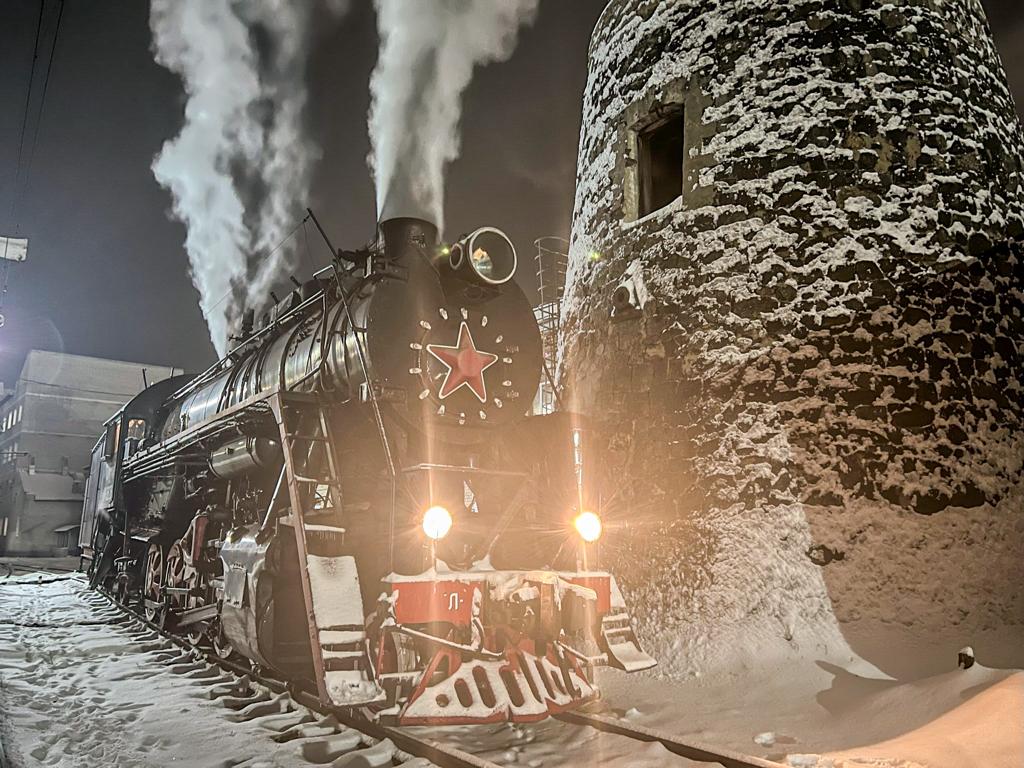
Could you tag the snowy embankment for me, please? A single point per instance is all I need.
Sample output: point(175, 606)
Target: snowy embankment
point(815, 714)
point(81, 686)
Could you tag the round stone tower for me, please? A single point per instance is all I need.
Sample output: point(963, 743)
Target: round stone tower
point(794, 304)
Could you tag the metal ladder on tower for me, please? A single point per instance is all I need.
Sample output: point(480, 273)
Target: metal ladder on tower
point(330, 582)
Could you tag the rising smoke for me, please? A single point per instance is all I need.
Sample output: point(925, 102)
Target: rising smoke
point(239, 170)
point(428, 50)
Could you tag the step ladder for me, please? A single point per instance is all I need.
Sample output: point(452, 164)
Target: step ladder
point(330, 584)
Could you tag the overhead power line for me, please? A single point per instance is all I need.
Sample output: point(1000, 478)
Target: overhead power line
point(22, 177)
point(28, 102)
point(264, 257)
point(80, 389)
point(42, 98)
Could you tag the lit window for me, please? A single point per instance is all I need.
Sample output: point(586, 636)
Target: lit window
point(136, 429)
point(660, 148)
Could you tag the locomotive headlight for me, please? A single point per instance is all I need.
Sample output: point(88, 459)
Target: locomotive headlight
point(485, 256)
point(588, 526)
point(437, 521)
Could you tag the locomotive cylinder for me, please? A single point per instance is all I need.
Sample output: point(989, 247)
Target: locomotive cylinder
point(244, 455)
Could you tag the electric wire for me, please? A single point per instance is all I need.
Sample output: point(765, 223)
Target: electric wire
point(42, 99)
point(28, 102)
point(265, 256)
point(128, 395)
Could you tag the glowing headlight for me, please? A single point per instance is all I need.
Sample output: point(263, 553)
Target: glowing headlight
point(588, 525)
point(437, 521)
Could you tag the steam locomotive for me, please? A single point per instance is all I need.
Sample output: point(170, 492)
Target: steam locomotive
point(355, 497)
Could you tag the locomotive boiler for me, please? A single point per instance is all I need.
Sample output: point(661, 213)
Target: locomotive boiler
point(356, 497)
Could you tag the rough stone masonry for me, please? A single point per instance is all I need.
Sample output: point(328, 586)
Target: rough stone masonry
point(810, 379)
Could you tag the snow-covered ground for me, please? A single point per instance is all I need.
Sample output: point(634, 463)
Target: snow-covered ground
point(959, 719)
point(79, 686)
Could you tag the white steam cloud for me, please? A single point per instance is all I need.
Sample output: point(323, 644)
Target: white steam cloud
point(428, 50)
point(239, 170)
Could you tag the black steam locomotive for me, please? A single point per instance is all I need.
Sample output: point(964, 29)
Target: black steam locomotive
point(354, 496)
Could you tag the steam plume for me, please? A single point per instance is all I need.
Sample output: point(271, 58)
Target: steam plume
point(428, 50)
point(239, 170)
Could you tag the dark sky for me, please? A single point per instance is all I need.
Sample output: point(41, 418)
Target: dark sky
point(107, 274)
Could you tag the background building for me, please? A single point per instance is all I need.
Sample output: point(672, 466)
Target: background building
point(795, 299)
point(50, 421)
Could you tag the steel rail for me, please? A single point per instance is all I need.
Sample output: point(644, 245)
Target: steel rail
point(441, 754)
point(691, 750)
point(438, 753)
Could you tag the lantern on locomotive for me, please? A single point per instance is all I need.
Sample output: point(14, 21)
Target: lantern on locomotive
point(355, 497)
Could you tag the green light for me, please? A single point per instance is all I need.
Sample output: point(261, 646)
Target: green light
point(595, 256)
point(446, 250)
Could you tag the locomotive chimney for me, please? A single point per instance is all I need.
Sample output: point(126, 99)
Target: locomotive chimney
point(399, 233)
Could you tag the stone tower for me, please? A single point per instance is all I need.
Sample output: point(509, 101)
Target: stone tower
point(794, 302)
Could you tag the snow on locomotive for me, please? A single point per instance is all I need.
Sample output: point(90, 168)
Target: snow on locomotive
point(355, 497)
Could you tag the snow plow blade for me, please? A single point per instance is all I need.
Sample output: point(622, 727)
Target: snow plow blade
point(488, 646)
point(521, 687)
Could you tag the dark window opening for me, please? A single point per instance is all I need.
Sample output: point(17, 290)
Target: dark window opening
point(661, 163)
point(111, 439)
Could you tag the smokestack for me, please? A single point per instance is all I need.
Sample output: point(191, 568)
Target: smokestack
point(400, 233)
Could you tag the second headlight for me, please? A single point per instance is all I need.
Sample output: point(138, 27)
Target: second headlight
point(588, 526)
point(437, 521)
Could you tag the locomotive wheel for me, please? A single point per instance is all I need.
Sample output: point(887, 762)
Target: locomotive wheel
point(154, 583)
point(180, 575)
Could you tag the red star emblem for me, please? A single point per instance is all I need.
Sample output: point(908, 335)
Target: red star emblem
point(466, 365)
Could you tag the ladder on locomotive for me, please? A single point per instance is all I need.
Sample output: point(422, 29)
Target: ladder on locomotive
point(344, 635)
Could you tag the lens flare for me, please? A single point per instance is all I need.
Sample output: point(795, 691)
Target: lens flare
point(437, 521)
point(588, 525)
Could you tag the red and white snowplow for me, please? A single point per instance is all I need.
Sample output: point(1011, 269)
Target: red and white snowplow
point(483, 646)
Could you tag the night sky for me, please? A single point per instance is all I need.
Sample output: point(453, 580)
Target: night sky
point(107, 274)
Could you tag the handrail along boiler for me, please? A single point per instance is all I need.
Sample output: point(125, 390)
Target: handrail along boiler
point(355, 497)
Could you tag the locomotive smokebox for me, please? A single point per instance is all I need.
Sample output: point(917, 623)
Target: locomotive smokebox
point(399, 233)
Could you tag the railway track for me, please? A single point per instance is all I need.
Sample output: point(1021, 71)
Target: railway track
point(253, 694)
point(408, 745)
point(10, 569)
point(684, 748)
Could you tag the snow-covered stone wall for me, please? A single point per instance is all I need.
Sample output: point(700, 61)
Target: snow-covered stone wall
point(814, 409)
